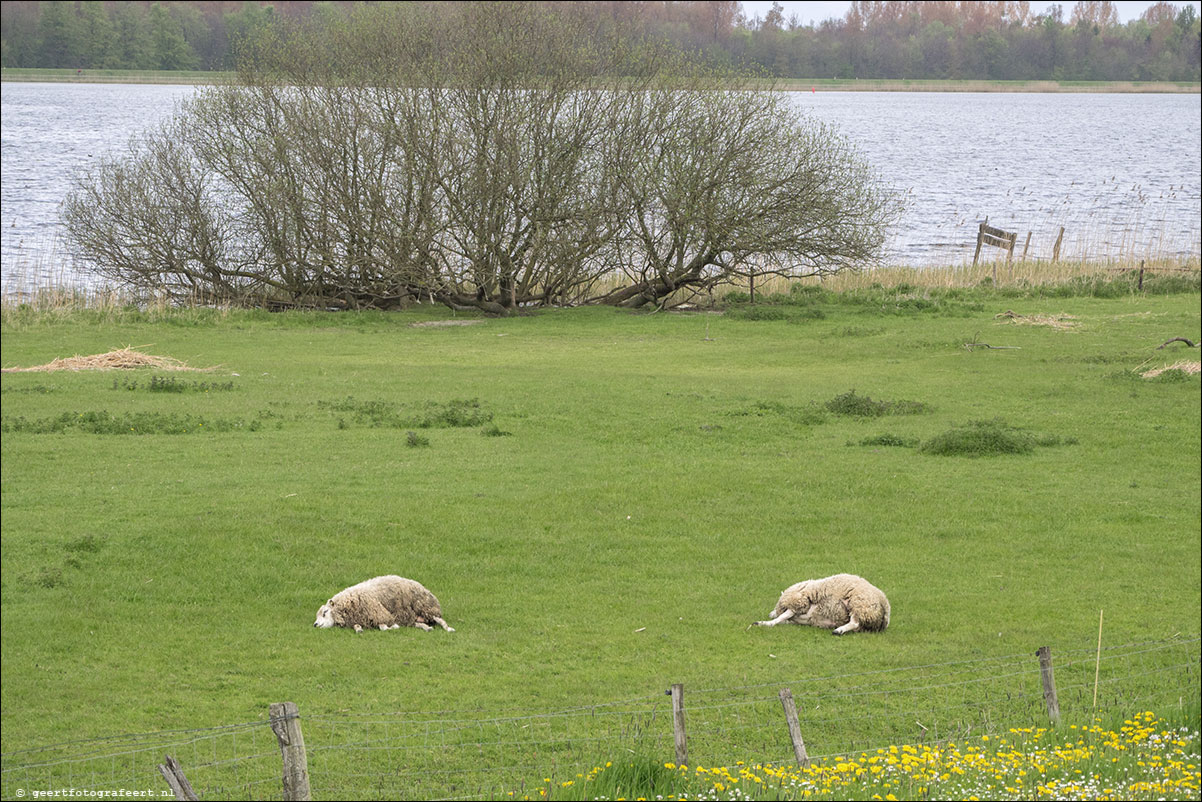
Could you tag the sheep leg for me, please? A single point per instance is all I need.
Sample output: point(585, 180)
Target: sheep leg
point(785, 616)
point(851, 626)
point(423, 627)
point(443, 624)
point(358, 629)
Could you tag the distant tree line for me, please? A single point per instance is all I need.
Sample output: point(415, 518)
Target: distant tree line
point(490, 156)
point(915, 39)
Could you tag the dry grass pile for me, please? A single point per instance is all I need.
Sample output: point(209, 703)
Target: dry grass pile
point(122, 359)
point(1061, 321)
point(1184, 365)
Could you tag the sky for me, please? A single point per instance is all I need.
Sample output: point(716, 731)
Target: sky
point(815, 11)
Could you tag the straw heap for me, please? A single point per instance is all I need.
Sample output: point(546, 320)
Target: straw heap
point(121, 359)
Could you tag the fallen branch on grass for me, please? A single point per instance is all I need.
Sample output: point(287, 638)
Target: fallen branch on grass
point(1190, 343)
point(978, 344)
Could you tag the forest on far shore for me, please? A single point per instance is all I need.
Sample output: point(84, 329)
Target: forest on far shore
point(882, 39)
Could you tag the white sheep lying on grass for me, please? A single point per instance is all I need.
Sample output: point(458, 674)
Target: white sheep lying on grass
point(386, 602)
point(842, 603)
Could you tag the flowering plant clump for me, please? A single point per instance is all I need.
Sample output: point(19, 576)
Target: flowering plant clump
point(1141, 760)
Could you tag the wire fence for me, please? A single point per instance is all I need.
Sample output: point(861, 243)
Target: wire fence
point(460, 754)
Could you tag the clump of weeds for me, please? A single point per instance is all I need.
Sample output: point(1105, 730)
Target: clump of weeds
point(171, 384)
point(105, 422)
point(989, 438)
point(890, 440)
point(391, 415)
point(806, 415)
point(861, 406)
point(415, 440)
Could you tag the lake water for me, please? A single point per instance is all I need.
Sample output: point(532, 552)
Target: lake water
point(1122, 173)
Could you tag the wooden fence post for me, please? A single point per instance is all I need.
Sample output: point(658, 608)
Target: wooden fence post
point(1049, 683)
point(174, 775)
point(682, 746)
point(1056, 247)
point(799, 746)
point(285, 723)
point(988, 235)
point(1026, 245)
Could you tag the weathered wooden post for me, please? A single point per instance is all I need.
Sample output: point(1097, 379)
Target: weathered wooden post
point(285, 723)
point(1026, 245)
point(1141, 275)
point(682, 745)
point(988, 235)
point(799, 746)
point(1049, 683)
point(1056, 247)
point(174, 775)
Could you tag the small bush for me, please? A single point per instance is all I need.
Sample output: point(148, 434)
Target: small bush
point(415, 440)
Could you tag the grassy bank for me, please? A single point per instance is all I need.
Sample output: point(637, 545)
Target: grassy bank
point(786, 84)
point(906, 85)
point(603, 501)
point(114, 76)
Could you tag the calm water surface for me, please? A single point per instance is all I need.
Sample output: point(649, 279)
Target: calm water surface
point(1122, 173)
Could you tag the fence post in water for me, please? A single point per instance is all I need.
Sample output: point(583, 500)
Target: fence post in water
point(1056, 247)
point(980, 237)
point(285, 723)
point(799, 746)
point(682, 746)
point(1049, 683)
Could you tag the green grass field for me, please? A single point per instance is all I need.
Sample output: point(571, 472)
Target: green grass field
point(626, 493)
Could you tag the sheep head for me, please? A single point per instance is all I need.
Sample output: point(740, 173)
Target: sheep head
point(326, 616)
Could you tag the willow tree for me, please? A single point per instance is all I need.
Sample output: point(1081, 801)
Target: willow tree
point(718, 180)
point(494, 156)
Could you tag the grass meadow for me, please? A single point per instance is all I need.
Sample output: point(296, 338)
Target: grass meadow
point(602, 501)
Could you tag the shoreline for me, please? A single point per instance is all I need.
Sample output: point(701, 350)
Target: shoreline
point(201, 78)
